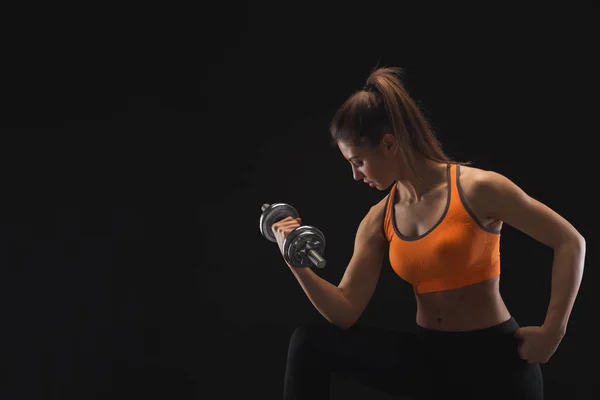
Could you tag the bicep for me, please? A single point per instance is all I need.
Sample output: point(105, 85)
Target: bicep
point(362, 273)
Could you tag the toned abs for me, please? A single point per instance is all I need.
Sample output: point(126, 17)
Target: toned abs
point(473, 307)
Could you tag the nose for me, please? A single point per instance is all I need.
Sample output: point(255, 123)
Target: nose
point(357, 175)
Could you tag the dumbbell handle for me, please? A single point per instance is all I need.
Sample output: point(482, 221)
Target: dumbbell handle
point(316, 259)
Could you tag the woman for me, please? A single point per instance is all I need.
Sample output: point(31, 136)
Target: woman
point(440, 227)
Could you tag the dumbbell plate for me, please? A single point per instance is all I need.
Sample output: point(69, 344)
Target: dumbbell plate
point(299, 241)
point(272, 214)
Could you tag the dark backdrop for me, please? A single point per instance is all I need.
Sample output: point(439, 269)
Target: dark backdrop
point(139, 145)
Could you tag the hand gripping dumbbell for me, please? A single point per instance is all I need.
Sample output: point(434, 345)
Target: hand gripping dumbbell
point(303, 246)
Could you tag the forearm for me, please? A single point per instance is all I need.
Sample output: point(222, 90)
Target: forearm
point(567, 272)
point(327, 298)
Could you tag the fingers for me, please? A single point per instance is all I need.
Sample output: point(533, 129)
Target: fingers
point(288, 220)
point(518, 335)
point(286, 225)
point(521, 352)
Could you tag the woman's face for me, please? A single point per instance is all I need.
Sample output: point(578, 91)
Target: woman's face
point(374, 166)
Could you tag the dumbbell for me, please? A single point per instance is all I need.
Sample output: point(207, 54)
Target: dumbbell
point(303, 246)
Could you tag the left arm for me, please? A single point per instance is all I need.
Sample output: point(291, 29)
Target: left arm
point(501, 199)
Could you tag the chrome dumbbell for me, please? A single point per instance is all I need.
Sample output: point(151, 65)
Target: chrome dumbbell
point(302, 247)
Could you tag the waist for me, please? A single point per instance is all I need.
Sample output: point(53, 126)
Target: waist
point(472, 347)
point(508, 326)
point(472, 307)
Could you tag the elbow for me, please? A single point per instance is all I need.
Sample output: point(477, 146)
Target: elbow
point(581, 248)
point(573, 242)
point(581, 241)
point(578, 243)
point(345, 324)
point(573, 248)
point(578, 240)
point(350, 315)
point(344, 321)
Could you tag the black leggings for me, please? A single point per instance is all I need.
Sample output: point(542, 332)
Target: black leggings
point(425, 364)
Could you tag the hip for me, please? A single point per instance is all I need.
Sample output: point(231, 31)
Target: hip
point(481, 361)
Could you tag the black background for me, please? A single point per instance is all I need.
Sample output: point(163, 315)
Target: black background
point(139, 145)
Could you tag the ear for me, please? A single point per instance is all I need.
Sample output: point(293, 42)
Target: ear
point(388, 143)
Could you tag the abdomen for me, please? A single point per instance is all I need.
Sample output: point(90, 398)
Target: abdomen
point(472, 307)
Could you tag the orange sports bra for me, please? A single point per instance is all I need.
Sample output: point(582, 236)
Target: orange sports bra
point(457, 251)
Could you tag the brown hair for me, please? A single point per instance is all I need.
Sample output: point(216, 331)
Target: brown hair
point(384, 105)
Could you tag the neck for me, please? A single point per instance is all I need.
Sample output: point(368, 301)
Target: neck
point(412, 187)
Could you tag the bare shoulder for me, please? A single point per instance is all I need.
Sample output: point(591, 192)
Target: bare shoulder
point(469, 173)
point(370, 227)
point(495, 197)
point(375, 218)
point(470, 177)
point(477, 186)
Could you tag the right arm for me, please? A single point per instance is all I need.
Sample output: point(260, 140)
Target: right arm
point(342, 305)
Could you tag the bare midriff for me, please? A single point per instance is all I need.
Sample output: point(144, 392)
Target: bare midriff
point(472, 307)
